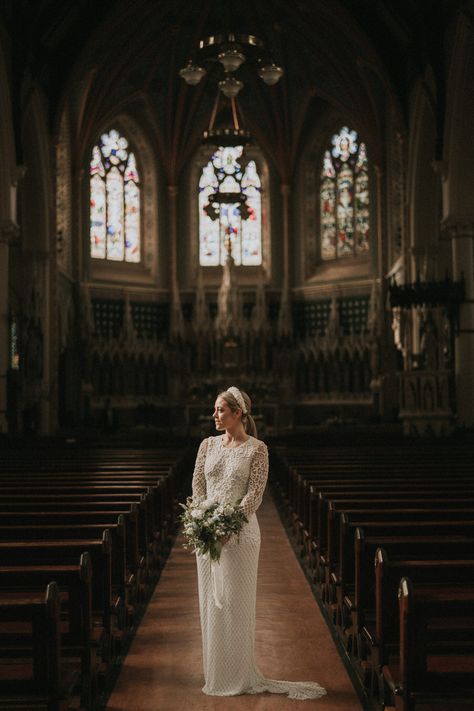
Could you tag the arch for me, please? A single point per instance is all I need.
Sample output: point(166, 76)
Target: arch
point(458, 155)
point(35, 187)
point(422, 188)
point(148, 268)
point(338, 215)
point(7, 143)
point(251, 155)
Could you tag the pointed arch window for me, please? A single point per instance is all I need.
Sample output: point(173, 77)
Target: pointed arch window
point(344, 197)
point(114, 201)
point(227, 225)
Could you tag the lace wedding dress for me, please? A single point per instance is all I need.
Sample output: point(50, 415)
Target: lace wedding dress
point(227, 590)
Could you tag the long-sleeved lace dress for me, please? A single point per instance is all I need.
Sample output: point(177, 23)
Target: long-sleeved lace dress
point(227, 590)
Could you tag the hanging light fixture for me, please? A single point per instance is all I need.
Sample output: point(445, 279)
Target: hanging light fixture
point(227, 53)
point(231, 59)
point(192, 73)
point(230, 86)
point(226, 122)
point(230, 51)
point(270, 73)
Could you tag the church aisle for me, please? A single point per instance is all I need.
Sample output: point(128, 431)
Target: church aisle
point(162, 671)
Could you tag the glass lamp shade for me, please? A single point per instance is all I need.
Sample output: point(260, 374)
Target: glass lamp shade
point(270, 74)
point(192, 73)
point(231, 59)
point(230, 86)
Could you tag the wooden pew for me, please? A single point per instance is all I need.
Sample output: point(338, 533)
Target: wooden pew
point(406, 490)
point(389, 500)
point(418, 675)
point(300, 480)
point(67, 552)
point(67, 531)
point(358, 603)
point(87, 502)
point(37, 680)
point(447, 575)
point(68, 504)
point(79, 639)
point(331, 560)
point(310, 514)
point(359, 598)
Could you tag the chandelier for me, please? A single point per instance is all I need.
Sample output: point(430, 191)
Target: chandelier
point(226, 53)
point(231, 51)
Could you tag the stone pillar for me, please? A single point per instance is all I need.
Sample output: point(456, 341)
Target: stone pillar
point(284, 319)
point(462, 235)
point(8, 230)
point(4, 324)
point(177, 322)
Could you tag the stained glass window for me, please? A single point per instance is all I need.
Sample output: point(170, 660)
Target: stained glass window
point(14, 345)
point(114, 200)
point(344, 197)
point(227, 225)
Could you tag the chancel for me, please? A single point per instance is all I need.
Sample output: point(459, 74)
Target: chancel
point(232, 231)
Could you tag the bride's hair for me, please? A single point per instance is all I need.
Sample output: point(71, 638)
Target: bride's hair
point(247, 419)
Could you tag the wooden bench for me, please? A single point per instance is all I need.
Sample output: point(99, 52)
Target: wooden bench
point(315, 539)
point(14, 553)
point(81, 643)
point(306, 514)
point(359, 577)
point(122, 577)
point(330, 561)
point(118, 508)
point(447, 575)
point(86, 502)
point(435, 663)
point(36, 680)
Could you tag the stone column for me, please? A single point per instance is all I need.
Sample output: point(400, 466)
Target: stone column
point(462, 235)
point(8, 230)
point(177, 322)
point(284, 319)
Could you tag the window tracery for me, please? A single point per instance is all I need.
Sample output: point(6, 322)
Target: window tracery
point(344, 197)
point(226, 225)
point(115, 210)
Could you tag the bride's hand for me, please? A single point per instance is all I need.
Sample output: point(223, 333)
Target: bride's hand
point(223, 540)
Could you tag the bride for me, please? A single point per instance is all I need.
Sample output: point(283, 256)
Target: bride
point(229, 468)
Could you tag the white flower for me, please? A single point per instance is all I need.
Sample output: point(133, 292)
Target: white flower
point(197, 513)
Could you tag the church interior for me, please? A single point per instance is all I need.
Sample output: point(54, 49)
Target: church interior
point(277, 196)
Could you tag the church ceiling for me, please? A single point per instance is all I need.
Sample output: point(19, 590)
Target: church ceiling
point(341, 56)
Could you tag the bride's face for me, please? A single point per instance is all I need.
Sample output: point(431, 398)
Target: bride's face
point(223, 416)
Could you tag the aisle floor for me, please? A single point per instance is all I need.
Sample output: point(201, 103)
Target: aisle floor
point(163, 669)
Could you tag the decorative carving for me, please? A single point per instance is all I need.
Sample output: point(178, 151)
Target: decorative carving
point(425, 402)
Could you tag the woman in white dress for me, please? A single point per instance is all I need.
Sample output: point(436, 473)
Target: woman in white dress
point(229, 468)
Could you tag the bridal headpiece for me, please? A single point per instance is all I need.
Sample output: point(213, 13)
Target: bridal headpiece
point(238, 396)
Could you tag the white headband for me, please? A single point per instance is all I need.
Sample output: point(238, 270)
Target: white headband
point(238, 396)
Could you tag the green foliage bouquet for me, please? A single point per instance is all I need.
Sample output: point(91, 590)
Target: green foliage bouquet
point(206, 521)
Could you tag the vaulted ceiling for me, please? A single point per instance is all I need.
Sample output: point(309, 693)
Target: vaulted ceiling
point(350, 58)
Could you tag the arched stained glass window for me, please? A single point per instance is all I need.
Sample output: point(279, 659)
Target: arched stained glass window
point(114, 200)
point(344, 197)
point(228, 225)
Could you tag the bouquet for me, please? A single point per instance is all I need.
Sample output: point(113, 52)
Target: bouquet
point(205, 521)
